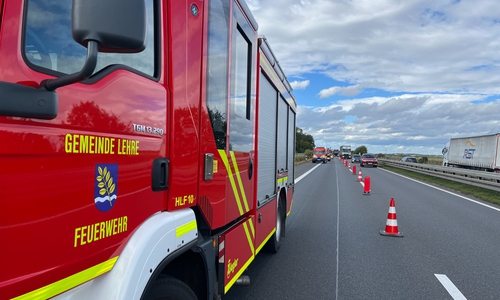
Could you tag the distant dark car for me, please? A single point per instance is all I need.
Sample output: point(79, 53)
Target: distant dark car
point(409, 159)
point(368, 159)
point(355, 158)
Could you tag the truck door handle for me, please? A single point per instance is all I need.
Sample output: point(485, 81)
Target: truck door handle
point(250, 168)
point(159, 178)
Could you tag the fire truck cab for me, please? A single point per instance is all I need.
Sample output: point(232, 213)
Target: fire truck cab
point(147, 148)
point(319, 155)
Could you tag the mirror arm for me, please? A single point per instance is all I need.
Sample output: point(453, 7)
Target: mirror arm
point(87, 70)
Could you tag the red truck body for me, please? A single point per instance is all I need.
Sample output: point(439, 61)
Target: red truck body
point(153, 166)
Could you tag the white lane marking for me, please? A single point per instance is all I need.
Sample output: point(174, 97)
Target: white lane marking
point(450, 287)
point(460, 196)
point(338, 234)
point(305, 174)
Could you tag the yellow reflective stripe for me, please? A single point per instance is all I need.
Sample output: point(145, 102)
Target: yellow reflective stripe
point(70, 282)
point(240, 183)
point(291, 205)
point(265, 241)
point(249, 238)
point(183, 229)
point(270, 70)
point(242, 190)
point(283, 179)
point(252, 228)
point(245, 202)
point(231, 180)
point(238, 274)
point(246, 226)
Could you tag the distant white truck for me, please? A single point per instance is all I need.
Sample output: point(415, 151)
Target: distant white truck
point(475, 152)
point(345, 152)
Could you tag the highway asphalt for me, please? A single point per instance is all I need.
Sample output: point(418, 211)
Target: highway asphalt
point(333, 248)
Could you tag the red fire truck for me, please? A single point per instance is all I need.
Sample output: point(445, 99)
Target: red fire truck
point(319, 154)
point(147, 148)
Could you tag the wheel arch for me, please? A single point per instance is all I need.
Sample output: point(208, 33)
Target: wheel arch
point(189, 266)
point(162, 237)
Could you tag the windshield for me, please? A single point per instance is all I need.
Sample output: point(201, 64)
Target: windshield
point(48, 41)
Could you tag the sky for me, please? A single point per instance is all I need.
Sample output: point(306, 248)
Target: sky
point(396, 76)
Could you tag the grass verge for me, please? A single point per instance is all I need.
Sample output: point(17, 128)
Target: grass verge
point(465, 189)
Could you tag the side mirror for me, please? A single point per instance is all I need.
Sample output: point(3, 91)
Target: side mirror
point(118, 26)
point(113, 26)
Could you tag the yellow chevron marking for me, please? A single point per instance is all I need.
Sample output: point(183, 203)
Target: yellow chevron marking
point(249, 238)
point(240, 183)
point(222, 154)
point(249, 232)
point(252, 229)
point(242, 189)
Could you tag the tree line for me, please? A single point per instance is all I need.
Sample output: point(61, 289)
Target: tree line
point(303, 141)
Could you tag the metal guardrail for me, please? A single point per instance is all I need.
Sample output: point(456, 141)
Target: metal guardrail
point(481, 179)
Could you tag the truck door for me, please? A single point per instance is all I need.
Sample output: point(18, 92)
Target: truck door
point(242, 108)
point(75, 187)
point(230, 101)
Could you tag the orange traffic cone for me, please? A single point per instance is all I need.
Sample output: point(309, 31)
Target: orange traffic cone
point(360, 177)
point(391, 226)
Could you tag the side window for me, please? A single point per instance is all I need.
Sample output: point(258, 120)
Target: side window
point(241, 126)
point(240, 93)
point(48, 42)
point(243, 78)
point(217, 68)
point(241, 97)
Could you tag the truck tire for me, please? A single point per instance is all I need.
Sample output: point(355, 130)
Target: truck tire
point(170, 288)
point(274, 243)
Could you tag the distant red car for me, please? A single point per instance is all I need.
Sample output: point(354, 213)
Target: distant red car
point(368, 159)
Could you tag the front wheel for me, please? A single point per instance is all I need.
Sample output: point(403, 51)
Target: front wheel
point(169, 288)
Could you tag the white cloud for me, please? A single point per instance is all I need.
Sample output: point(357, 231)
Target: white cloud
point(416, 122)
point(346, 91)
point(299, 85)
point(416, 46)
point(414, 72)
